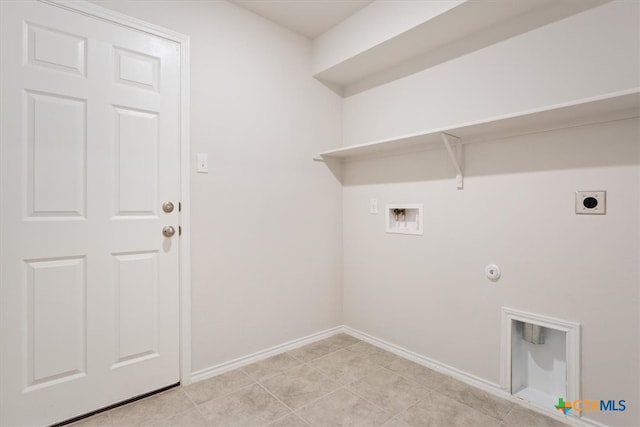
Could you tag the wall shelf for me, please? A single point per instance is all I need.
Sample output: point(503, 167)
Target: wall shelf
point(600, 109)
point(463, 28)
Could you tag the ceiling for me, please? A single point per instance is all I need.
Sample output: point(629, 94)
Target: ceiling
point(307, 17)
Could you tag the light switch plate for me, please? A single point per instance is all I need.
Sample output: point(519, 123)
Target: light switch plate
point(203, 163)
point(373, 206)
point(591, 202)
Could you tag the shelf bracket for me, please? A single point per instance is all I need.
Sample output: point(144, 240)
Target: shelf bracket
point(455, 154)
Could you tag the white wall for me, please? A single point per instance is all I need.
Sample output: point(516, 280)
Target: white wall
point(266, 220)
point(428, 293)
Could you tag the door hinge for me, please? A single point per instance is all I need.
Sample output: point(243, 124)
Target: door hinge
point(179, 230)
point(179, 206)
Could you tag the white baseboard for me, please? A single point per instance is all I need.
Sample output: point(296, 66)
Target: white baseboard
point(212, 371)
point(443, 368)
point(425, 361)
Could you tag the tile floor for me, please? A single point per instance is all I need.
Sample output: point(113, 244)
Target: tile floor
point(339, 381)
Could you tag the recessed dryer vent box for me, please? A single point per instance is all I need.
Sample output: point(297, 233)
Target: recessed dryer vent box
point(404, 219)
point(541, 358)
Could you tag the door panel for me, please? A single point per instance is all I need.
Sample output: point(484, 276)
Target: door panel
point(137, 69)
point(136, 145)
point(56, 49)
point(89, 286)
point(136, 307)
point(56, 179)
point(56, 323)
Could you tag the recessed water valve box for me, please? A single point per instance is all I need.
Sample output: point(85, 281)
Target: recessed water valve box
point(591, 202)
point(404, 219)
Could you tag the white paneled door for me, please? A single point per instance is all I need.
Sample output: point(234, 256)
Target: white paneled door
point(89, 291)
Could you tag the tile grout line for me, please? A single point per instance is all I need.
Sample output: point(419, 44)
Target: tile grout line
point(186, 410)
point(299, 363)
point(375, 405)
point(437, 389)
point(356, 354)
point(430, 391)
point(354, 391)
point(426, 397)
point(291, 411)
point(340, 385)
point(406, 377)
point(269, 392)
point(500, 420)
point(368, 401)
point(340, 347)
point(288, 415)
point(397, 417)
point(346, 386)
point(288, 353)
point(312, 401)
point(319, 371)
point(255, 379)
point(197, 406)
point(259, 383)
point(222, 395)
point(146, 400)
point(471, 407)
point(509, 412)
point(302, 363)
point(440, 386)
point(180, 388)
point(322, 355)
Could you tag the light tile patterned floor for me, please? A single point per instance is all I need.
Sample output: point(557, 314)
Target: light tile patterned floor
point(339, 381)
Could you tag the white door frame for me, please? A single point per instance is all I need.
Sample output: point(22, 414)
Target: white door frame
point(90, 9)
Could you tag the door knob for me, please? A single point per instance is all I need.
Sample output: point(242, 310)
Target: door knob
point(168, 231)
point(167, 207)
